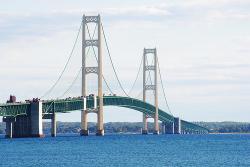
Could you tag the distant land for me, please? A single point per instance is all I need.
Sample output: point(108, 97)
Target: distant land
point(135, 127)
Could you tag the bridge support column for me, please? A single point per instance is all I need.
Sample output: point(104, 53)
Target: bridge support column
point(156, 130)
point(177, 126)
point(22, 126)
point(36, 119)
point(9, 130)
point(163, 128)
point(100, 129)
point(53, 125)
point(9, 126)
point(84, 124)
point(145, 125)
point(29, 125)
point(170, 128)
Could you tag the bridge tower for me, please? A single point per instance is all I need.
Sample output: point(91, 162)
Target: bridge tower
point(89, 42)
point(147, 68)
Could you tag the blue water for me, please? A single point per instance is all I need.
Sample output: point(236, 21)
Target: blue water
point(127, 150)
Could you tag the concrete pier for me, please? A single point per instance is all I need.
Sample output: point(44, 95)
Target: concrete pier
point(84, 132)
point(9, 130)
point(156, 132)
point(36, 119)
point(29, 125)
point(145, 125)
point(84, 123)
point(22, 126)
point(53, 125)
point(163, 128)
point(9, 126)
point(177, 125)
point(144, 132)
point(100, 132)
point(169, 128)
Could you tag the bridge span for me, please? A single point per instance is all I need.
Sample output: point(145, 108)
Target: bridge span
point(25, 119)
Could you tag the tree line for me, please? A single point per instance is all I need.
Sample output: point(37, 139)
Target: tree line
point(135, 127)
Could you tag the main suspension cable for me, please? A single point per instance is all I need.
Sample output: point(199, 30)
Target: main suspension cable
point(65, 66)
point(117, 78)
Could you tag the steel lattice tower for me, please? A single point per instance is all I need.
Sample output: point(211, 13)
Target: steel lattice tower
point(88, 70)
point(153, 87)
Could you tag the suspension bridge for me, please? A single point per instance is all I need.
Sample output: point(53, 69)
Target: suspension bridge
point(24, 119)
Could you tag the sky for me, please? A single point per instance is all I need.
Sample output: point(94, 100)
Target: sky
point(202, 45)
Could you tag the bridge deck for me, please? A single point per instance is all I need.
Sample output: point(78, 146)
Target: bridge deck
point(73, 104)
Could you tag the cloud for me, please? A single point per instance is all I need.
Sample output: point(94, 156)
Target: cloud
point(20, 23)
point(227, 15)
point(154, 10)
point(213, 3)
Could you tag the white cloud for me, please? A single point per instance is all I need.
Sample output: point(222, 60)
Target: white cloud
point(139, 10)
point(213, 3)
point(227, 15)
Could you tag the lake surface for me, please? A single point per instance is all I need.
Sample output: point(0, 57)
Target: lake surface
point(127, 150)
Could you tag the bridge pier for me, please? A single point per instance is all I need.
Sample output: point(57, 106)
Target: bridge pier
point(52, 118)
point(100, 132)
point(22, 126)
point(156, 131)
point(36, 119)
point(9, 126)
point(9, 130)
point(53, 125)
point(163, 128)
point(145, 124)
point(84, 132)
point(84, 124)
point(177, 125)
point(29, 125)
point(169, 128)
point(100, 129)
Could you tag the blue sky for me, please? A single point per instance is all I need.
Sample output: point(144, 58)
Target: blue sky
point(203, 49)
